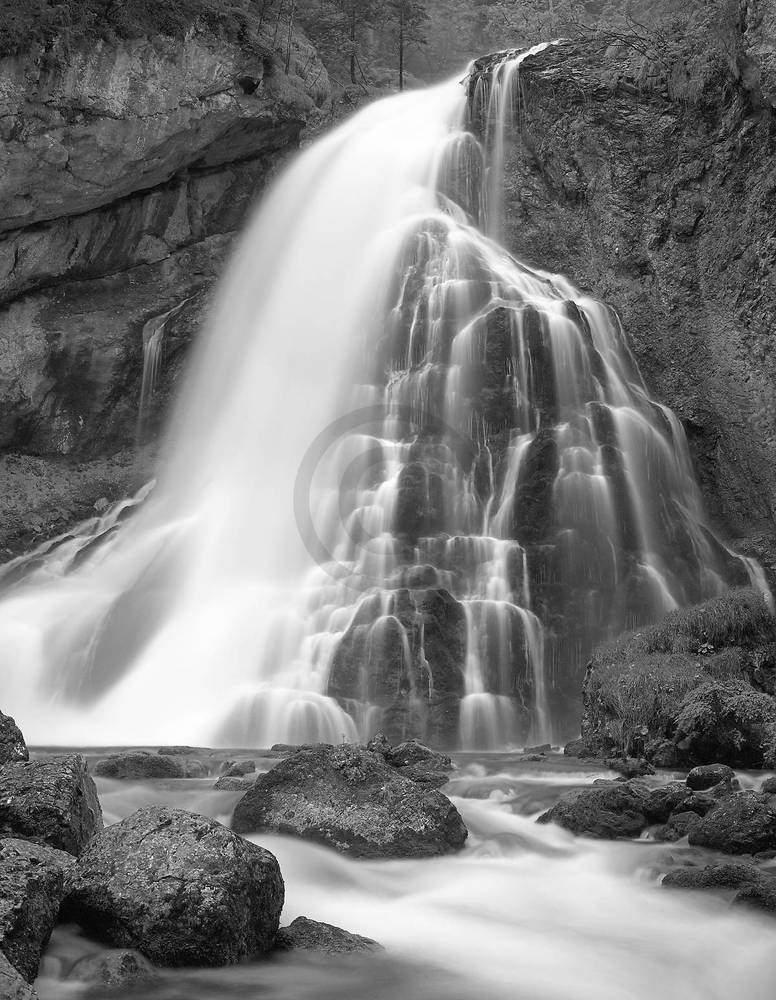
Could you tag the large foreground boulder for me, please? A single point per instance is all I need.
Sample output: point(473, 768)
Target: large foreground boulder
point(31, 890)
point(350, 799)
point(12, 745)
point(606, 811)
point(180, 888)
point(304, 934)
point(744, 823)
point(51, 801)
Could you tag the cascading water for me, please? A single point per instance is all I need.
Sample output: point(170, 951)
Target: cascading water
point(463, 443)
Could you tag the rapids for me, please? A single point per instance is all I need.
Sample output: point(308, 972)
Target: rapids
point(408, 484)
point(525, 912)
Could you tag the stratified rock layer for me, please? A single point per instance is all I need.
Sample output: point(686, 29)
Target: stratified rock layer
point(348, 798)
point(180, 888)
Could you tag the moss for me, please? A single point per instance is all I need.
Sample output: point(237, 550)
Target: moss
point(638, 685)
point(24, 26)
point(727, 721)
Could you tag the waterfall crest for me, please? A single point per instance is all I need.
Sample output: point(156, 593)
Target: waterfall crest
point(409, 483)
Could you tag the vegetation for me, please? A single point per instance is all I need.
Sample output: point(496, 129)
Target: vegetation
point(642, 684)
point(728, 721)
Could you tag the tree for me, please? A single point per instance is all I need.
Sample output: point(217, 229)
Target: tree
point(410, 18)
point(337, 27)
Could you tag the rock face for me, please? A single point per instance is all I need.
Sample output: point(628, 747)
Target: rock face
point(12, 745)
point(304, 934)
point(50, 801)
point(178, 887)
point(31, 890)
point(655, 192)
point(125, 170)
point(348, 798)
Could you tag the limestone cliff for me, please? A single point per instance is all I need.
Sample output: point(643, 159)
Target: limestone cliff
point(126, 167)
point(659, 196)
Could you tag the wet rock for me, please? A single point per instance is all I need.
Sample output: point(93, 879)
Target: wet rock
point(114, 969)
point(707, 775)
point(724, 876)
point(414, 760)
point(662, 753)
point(679, 825)
point(51, 801)
point(661, 802)
point(579, 748)
point(769, 786)
point(287, 749)
point(31, 889)
point(350, 799)
point(12, 745)
point(12, 985)
point(759, 895)
point(178, 887)
point(228, 784)
point(238, 769)
point(608, 810)
point(543, 748)
point(630, 767)
point(744, 823)
point(138, 765)
point(304, 934)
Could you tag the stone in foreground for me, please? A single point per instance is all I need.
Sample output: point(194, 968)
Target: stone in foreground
point(304, 934)
point(606, 811)
point(180, 888)
point(115, 969)
point(708, 775)
point(50, 801)
point(744, 823)
point(12, 745)
point(350, 799)
point(31, 889)
point(12, 986)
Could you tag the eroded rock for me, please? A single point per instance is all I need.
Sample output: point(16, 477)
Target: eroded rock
point(304, 934)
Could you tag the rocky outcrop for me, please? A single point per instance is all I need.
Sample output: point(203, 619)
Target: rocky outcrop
point(31, 890)
point(180, 888)
point(125, 170)
point(50, 801)
point(12, 745)
point(350, 799)
point(652, 187)
point(304, 934)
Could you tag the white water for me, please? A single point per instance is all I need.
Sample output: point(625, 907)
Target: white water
point(365, 293)
point(525, 911)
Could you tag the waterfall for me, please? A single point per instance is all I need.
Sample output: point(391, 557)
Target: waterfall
point(409, 482)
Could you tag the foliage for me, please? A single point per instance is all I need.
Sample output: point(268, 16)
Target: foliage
point(727, 721)
point(339, 29)
point(34, 22)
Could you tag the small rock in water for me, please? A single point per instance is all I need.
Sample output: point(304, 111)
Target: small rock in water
point(304, 934)
point(228, 784)
point(679, 825)
point(708, 775)
point(742, 823)
point(31, 889)
point(543, 748)
point(51, 801)
point(184, 751)
point(630, 767)
point(724, 876)
point(769, 786)
point(12, 745)
point(180, 888)
point(286, 749)
point(350, 799)
point(138, 765)
point(414, 760)
point(609, 810)
point(661, 802)
point(115, 969)
point(238, 769)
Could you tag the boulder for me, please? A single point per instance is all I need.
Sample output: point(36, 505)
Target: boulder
point(12, 745)
point(707, 775)
point(414, 760)
point(662, 753)
point(114, 969)
point(724, 876)
point(661, 802)
point(679, 825)
point(350, 799)
point(31, 889)
point(769, 786)
point(304, 934)
point(238, 769)
point(744, 823)
point(12, 985)
point(51, 801)
point(138, 765)
point(579, 748)
point(606, 810)
point(178, 887)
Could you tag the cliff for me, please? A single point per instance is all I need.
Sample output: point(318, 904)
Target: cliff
point(127, 165)
point(656, 191)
